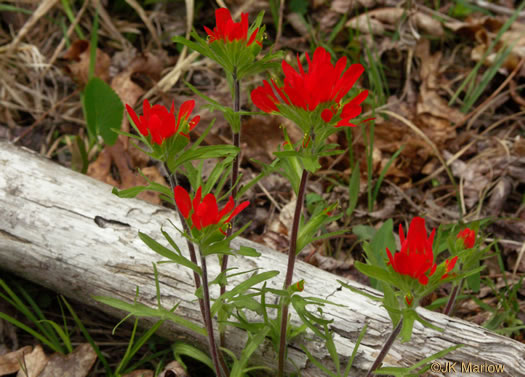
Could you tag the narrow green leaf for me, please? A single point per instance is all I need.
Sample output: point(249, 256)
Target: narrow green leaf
point(167, 253)
point(200, 153)
point(243, 287)
point(88, 337)
point(248, 251)
point(180, 348)
point(140, 310)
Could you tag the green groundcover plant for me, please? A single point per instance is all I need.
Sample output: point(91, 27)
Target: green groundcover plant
point(321, 99)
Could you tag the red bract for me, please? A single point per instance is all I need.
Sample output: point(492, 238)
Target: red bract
point(159, 123)
point(229, 31)
point(416, 258)
point(205, 210)
point(449, 264)
point(468, 236)
point(324, 84)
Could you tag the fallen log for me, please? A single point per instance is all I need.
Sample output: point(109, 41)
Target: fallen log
point(66, 231)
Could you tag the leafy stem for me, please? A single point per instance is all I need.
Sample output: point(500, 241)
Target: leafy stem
point(289, 272)
point(235, 174)
point(193, 256)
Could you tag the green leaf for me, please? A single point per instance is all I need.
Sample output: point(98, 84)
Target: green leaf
point(88, 337)
point(201, 153)
point(383, 239)
point(104, 110)
point(221, 248)
point(248, 252)
point(364, 232)
point(354, 352)
point(180, 348)
point(238, 369)
point(376, 273)
point(409, 316)
point(140, 310)
point(243, 287)
point(167, 253)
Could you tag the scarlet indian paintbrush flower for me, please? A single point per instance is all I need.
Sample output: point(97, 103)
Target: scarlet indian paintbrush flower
point(160, 123)
point(321, 88)
point(229, 31)
point(205, 210)
point(416, 258)
point(468, 236)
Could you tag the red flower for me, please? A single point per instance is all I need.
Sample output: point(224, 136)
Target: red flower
point(229, 31)
point(468, 236)
point(159, 123)
point(324, 84)
point(416, 258)
point(205, 210)
point(450, 265)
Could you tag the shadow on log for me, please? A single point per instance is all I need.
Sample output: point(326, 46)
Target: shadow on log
point(66, 231)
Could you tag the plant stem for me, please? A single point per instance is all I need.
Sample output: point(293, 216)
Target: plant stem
point(289, 271)
point(207, 319)
point(452, 299)
point(235, 174)
point(193, 255)
point(385, 349)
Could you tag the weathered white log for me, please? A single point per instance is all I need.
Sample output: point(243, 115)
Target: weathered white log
point(68, 232)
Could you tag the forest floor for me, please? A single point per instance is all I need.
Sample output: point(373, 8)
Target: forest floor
point(447, 84)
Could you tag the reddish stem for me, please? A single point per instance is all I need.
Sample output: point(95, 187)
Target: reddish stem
point(289, 271)
point(386, 347)
point(235, 174)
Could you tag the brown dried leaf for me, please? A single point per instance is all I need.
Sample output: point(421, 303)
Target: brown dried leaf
point(262, 137)
point(127, 90)
point(10, 362)
point(174, 369)
point(484, 31)
point(76, 364)
point(34, 363)
point(379, 20)
point(428, 24)
point(499, 196)
point(79, 70)
point(116, 155)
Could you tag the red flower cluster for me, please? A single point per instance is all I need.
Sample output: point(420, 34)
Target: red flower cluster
point(161, 124)
point(323, 84)
point(416, 257)
point(468, 236)
point(229, 31)
point(205, 211)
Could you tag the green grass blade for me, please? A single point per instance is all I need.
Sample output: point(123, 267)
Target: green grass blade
point(29, 330)
point(354, 352)
point(88, 337)
point(69, 13)
point(61, 333)
point(46, 329)
point(11, 8)
point(470, 77)
point(383, 173)
point(93, 46)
